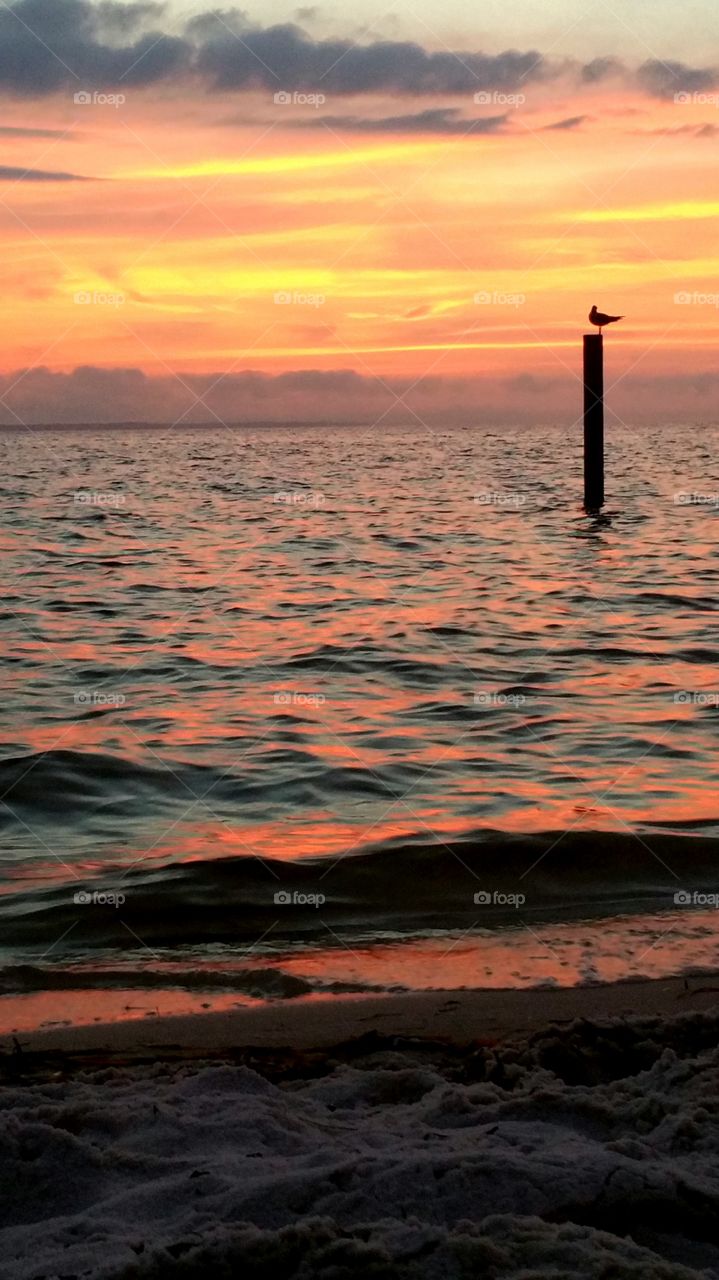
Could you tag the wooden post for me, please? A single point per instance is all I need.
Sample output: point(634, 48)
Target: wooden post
point(593, 421)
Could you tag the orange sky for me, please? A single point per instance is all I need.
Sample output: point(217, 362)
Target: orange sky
point(402, 252)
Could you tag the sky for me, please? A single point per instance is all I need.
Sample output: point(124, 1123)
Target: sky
point(375, 214)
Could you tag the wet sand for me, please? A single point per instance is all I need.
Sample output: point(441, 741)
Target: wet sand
point(459, 1017)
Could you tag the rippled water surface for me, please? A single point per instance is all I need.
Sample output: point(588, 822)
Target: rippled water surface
point(395, 669)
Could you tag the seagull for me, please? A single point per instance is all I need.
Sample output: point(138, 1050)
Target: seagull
point(599, 318)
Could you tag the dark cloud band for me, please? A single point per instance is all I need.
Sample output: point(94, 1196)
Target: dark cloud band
point(94, 395)
point(50, 45)
point(10, 173)
point(436, 120)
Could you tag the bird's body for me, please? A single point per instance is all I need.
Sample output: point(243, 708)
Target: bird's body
point(600, 319)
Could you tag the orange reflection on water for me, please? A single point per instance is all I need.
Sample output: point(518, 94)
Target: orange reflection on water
point(556, 954)
point(47, 1010)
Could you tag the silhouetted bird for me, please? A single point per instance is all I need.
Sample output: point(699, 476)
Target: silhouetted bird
point(599, 318)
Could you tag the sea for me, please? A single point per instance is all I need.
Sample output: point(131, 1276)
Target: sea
point(300, 712)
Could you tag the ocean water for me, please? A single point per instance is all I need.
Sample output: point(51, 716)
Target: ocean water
point(292, 711)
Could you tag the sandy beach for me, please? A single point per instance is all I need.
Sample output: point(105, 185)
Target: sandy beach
point(462, 1017)
point(566, 1133)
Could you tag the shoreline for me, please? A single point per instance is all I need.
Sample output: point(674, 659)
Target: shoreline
point(455, 1017)
point(585, 1149)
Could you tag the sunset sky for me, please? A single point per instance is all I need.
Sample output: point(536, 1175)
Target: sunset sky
point(427, 211)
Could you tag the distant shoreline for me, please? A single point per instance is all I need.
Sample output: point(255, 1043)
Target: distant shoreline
point(27, 428)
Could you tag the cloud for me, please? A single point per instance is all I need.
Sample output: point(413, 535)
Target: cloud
point(531, 384)
point(571, 122)
point(284, 57)
point(434, 120)
point(601, 69)
point(94, 395)
point(47, 46)
point(10, 131)
point(117, 19)
point(217, 24)
point(10, 173)
point(664, 79)
point(690, 130)
point(50, 45)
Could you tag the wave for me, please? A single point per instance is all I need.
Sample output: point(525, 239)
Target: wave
point(64, 778)
point(397, 888)
point(92, 784)
point(258, 983)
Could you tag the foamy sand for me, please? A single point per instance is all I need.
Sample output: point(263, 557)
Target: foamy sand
point(459, 1016)
point(512, 1135)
